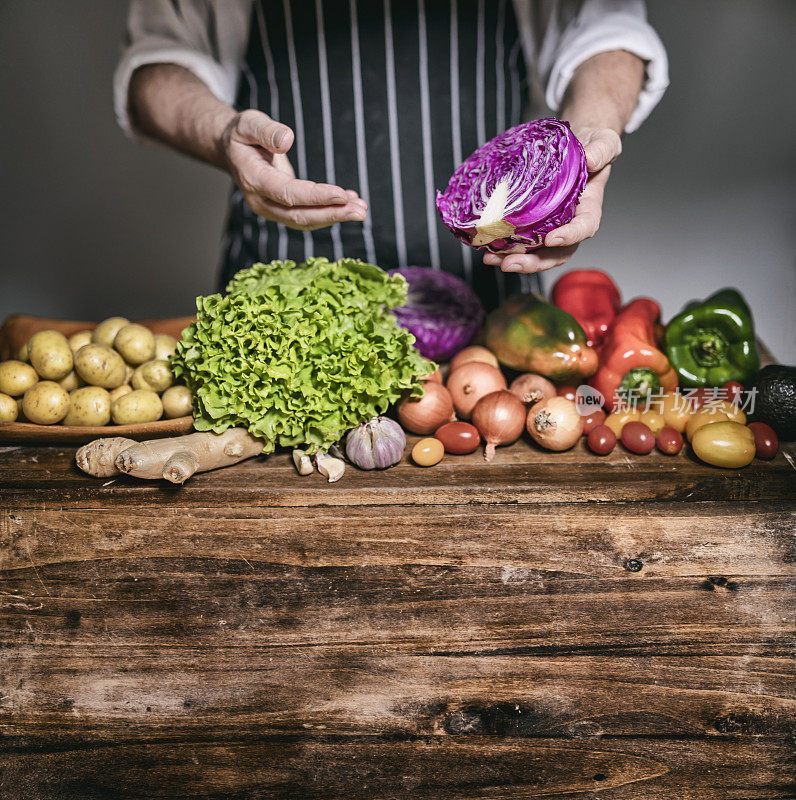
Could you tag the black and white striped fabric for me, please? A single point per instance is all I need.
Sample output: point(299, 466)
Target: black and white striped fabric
point(386, 97)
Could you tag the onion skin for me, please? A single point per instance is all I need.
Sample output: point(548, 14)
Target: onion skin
point(423, 415)
point(469, 383)
point(500, 418)
point(435, 376)
point(555, 424)
point(473, 353)
point(531, 388)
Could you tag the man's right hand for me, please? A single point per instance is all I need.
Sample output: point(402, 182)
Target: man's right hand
point(253, 149)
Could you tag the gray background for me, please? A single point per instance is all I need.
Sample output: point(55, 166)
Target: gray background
point(94, 225)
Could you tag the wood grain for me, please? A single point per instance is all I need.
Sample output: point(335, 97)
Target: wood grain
point(554, 626)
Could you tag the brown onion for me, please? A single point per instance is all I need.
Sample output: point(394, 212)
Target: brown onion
point(531, 388)
point(435, 376)
point(469, 383)
point(423, 415)
point(555, 423)
point(500, 418)
point(473, 353)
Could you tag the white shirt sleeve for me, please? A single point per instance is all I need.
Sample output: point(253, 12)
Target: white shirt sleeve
point(581, 30)
point(207, 37)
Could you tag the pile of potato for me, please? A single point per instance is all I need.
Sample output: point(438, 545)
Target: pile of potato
point(118, 372)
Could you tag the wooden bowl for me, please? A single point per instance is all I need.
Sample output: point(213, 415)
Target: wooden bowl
point(17, 329)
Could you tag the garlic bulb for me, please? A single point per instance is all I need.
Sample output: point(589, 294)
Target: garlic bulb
point(376, 444)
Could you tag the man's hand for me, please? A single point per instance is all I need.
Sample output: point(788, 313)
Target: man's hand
point(252, 148)
point(598, 103)
point(602, 146)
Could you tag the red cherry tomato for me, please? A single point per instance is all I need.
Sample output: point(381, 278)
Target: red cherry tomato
point(458, 437)
point(567, 391)
point(601, 440)
point(733, 391)
point(669, 441)
point(704, 394)
point(766, 442)
point(593, 420)
point(638, 438)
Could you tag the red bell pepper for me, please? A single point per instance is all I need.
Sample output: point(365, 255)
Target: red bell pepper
point(631, 364)
point(591, 297)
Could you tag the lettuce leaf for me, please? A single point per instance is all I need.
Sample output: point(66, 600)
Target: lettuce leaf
point(298, 354)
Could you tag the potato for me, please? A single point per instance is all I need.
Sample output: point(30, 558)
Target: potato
point(128, 373)
point(71, 382)
point(50, 355)
point(164, 345)
point(120, 391)
point(16, 377)
point(155, 375)
point(8, 408)
point(45, 403)
point(90, 405)
point(100, 365)
point(79, 339)
point(135, 343)
point(106, 331)
point(176, 402)
point(20, 412)
point(22, 353)
point(140, 405)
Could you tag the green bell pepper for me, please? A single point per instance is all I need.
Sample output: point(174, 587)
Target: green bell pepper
point(712, 342)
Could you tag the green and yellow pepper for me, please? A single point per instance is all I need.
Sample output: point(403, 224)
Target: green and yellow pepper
point(712, 342)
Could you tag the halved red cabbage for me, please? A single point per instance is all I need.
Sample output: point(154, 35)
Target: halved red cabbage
point(515, 189)
point(442, 312)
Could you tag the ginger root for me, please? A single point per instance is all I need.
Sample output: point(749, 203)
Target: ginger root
point(98, 458)
point(174, 459)
point(178, 458)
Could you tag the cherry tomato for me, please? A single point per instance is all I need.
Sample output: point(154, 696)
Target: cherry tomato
point(705, 394)
point(638, 438)
point(652, 419)
point(724, 444)
point(619, 419)
point(669, 441)
point(601, 440)
point(594, 419)
point(567, 391)
point(677, 410)
point(716, 411)
point(458, 437)
point(733, 391)
point(766, 442)
point(428, 452)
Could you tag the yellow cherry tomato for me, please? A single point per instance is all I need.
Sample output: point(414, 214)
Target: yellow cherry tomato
point(653, 419)
point(724, 444)
point(428, 452)
point(720, 411)
point(619, 419)
point(676, 410)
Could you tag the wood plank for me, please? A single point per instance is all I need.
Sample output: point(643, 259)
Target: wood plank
point(426, 608)
point(520, 474)
point(578, 539)
point(442, 768)
point(165, 692)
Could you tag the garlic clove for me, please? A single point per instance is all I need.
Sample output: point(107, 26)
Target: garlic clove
point(303, 462)
point(330, 467)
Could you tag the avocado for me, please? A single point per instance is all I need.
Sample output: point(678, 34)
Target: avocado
point(775, 400)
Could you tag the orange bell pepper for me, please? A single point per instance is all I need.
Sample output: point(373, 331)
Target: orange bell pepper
point(631, 364)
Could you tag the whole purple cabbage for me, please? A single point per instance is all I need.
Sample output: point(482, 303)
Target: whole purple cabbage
point(442, 312)
point(515, 189)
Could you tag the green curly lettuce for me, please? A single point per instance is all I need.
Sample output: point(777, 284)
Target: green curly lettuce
point(299, 354)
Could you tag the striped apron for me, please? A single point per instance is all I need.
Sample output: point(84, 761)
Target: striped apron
point(386, 97)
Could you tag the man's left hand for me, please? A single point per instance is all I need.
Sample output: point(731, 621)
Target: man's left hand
point(602, 146)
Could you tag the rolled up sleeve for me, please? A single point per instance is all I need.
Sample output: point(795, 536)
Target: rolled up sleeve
point(205, 37)
point(599, 26)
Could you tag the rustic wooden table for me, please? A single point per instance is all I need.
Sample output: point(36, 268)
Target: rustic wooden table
point(555, 626)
